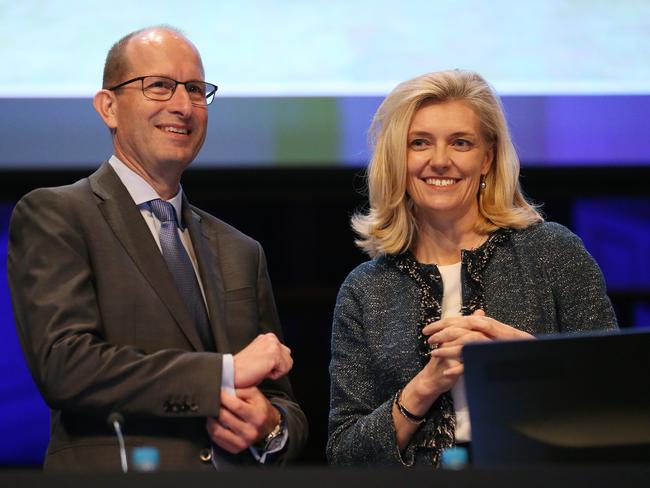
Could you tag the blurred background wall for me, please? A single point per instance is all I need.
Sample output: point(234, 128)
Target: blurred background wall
point(286, 148)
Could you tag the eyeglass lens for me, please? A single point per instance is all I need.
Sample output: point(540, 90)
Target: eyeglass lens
point(161, 88)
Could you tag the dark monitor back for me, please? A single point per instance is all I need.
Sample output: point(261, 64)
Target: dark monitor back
point(560, 399)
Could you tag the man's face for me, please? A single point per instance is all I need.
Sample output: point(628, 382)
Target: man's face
point(159, 137)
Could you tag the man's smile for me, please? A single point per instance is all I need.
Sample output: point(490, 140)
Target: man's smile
point(175, 129)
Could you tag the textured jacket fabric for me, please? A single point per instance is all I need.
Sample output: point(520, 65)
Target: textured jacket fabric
point(104, 328)
point(540, 280)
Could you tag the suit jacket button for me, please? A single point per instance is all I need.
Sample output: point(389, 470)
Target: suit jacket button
point(206, 455)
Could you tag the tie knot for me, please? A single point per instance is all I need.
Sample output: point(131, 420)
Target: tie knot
point(164, 211)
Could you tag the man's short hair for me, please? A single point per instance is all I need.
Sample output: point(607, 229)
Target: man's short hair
point(117, 63)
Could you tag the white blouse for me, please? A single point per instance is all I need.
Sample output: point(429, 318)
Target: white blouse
point(451, 304)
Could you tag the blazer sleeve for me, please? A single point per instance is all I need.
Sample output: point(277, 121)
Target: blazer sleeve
point(279, 391)
point(60, 325)
point(577, 282)
point(361, 429)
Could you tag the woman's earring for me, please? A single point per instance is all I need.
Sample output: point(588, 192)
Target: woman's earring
point(483, 183)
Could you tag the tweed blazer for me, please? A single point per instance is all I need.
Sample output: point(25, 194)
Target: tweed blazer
point(540, 280)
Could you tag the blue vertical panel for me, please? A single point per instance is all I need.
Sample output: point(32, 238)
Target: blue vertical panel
point(616, 231)
point(527, 120)
point(580, 130)
point(25, 418)
point(597, 129)
point(355, 116)
point(642, 315)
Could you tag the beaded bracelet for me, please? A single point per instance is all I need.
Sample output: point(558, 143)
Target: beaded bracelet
point(411, 417)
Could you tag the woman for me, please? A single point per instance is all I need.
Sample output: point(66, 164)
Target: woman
point(458, 255)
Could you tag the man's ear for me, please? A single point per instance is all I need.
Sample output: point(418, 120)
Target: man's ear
point(105, 104)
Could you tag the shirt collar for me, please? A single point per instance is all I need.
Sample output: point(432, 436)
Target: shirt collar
point(142, 192)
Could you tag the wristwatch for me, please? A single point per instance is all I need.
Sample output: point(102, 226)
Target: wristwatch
point(278, 430)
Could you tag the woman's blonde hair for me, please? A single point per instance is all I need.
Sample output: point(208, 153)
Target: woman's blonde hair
point(389, 226)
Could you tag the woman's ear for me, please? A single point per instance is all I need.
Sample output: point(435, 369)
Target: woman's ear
point(105, 104)
point(489, 160)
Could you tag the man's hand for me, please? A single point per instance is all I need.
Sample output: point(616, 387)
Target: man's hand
point(265, 357)
point(243, 420)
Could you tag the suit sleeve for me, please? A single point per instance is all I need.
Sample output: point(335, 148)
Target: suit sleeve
point(279, 391)
point(61, 330)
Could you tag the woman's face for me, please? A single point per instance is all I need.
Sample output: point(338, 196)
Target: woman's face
point(446, 156)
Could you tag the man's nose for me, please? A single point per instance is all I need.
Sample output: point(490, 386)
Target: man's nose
point(180, 101)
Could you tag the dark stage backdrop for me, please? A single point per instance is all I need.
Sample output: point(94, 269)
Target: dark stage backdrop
point(301, 217)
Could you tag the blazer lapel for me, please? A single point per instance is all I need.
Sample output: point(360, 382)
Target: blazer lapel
point(131, 230)
point(205, 249)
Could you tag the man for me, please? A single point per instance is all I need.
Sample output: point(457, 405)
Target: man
point(129, 300)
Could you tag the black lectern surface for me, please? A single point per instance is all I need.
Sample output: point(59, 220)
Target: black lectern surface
point(560, 399)
point(557, 477)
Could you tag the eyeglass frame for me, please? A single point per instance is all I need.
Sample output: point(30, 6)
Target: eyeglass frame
point(176, 83)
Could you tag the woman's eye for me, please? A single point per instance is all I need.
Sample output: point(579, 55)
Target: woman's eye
point(462, 144)
point(418, 143)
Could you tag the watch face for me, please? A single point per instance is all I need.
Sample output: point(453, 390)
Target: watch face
point(275, 432)
point(272, 436)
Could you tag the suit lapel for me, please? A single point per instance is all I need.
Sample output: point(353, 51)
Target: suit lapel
point(131, 230)
point(205, 249)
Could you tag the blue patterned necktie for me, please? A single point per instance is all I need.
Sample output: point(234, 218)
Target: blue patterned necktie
point(180, 266)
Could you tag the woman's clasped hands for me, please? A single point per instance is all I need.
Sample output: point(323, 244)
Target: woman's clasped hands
point(448, 336)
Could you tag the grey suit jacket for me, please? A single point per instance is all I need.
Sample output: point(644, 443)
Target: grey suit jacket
point(105, 330)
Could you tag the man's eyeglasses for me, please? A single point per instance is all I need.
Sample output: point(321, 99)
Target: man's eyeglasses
point(162, 88)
